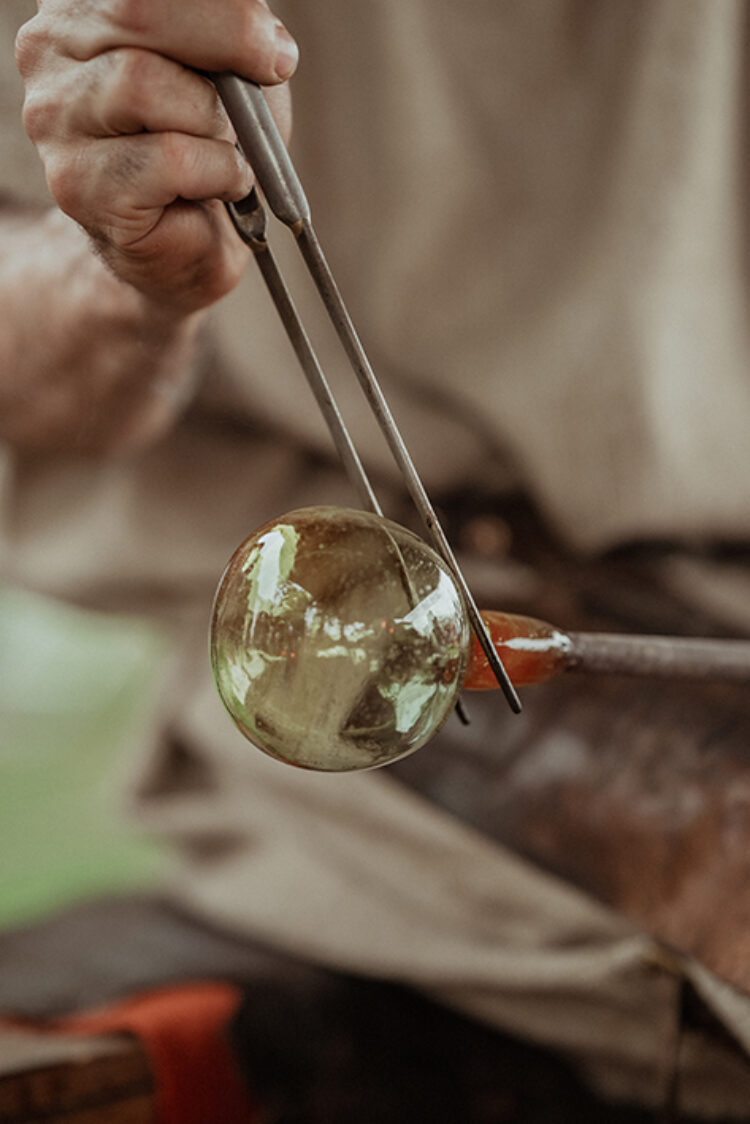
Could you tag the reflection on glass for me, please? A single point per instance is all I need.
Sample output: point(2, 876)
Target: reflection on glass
point(338, 639)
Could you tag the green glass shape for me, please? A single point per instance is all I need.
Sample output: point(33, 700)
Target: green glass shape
point(338, 639)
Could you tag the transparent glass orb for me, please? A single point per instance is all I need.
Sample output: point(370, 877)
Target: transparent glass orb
point(338, 639)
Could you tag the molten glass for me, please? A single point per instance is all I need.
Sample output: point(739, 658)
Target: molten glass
point(338, 639)
point(532, 651)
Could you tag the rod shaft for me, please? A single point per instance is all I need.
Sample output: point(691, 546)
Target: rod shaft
point(266, 152)
point(249, 220)
point(317, 381)
point(659, 657)
point(344, 327)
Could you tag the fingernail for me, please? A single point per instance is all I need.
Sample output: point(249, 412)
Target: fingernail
point(287, 54)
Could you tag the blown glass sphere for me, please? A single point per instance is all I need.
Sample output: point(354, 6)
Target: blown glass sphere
point(338, 639)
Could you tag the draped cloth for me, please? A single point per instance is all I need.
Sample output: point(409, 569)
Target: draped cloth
point(537, 213)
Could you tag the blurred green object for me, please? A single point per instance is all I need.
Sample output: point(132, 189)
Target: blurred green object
point(76, 689)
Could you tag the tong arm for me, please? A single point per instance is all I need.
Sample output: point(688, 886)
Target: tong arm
point(261, 143)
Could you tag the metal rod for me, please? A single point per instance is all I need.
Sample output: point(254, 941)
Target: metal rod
point(249, 221)
point(317, 381)
point(344, 327)
point(662, 657)
point(266, 152)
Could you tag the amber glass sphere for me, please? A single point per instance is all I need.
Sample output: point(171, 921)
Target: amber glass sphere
point(338, 639)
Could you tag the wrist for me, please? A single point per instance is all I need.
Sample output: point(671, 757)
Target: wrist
point(92, 364)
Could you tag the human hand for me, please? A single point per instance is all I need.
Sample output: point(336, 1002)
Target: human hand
point(136, 146)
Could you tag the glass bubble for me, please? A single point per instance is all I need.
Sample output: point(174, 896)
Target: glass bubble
point(338, 639)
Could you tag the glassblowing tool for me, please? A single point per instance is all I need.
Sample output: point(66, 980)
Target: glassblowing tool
point(266, 152)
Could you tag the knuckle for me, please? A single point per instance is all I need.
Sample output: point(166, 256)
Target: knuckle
point(64, 184)
point(176, 152)
point(133, 16)
point(39, 115)
point(28, 48)
point(180, 159)
point(255, 42)
point(125, 70)
point(130, 78)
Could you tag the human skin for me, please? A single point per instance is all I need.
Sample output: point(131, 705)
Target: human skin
point(106, 309)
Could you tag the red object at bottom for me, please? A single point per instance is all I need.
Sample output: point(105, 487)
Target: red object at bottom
point(184, 1032)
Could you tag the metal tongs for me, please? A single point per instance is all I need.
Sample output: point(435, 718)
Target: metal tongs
point(266, 152)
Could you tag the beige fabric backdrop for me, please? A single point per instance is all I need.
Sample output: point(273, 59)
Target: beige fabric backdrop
point(537, 213)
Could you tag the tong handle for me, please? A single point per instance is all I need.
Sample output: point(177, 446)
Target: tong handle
point(261, 143)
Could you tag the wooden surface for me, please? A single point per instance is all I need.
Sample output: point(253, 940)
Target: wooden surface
point(112, 1088)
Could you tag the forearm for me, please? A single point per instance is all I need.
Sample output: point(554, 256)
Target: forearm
point(87, 363)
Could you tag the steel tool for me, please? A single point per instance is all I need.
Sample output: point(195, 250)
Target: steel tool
point(265, 150)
